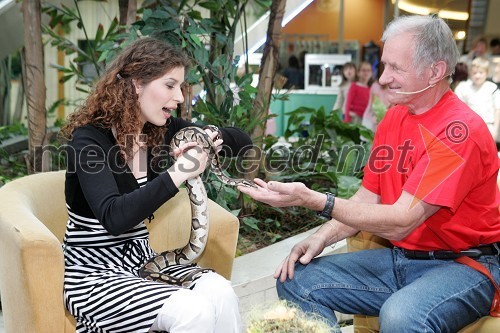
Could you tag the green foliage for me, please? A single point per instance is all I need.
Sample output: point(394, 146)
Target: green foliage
point(321, 151)
point(227, 97)
point(95, 51)
point(12, 166)
point(10, 131)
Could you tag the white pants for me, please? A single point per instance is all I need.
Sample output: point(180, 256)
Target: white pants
point(211, 307)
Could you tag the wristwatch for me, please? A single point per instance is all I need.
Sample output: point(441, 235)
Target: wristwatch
point(327, 211)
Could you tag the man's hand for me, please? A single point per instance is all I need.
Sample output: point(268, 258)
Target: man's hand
point(278, 194)
point(303, 252)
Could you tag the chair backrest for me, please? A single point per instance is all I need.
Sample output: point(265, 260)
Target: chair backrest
point(44, 194)
point(32, 224)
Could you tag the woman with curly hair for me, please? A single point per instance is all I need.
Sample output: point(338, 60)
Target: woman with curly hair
point(115, 181)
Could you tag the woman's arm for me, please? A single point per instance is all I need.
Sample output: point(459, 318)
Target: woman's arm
point(97, 181)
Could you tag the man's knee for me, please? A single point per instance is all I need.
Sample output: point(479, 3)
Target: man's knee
point(397, 315)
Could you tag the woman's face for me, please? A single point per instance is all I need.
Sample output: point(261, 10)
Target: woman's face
point(159, 97)
point(349, 73)
point(365, 73)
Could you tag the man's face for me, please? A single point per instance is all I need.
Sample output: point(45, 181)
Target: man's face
point(400, 75)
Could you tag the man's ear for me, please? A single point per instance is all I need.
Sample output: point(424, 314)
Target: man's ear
point(137, 85)
point(438, 72)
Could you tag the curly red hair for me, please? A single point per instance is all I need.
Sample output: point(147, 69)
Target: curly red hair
point(114, 103)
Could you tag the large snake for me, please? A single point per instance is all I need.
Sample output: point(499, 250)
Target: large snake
point(154, 268)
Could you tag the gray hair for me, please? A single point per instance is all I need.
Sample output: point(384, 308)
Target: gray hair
point(433, 40)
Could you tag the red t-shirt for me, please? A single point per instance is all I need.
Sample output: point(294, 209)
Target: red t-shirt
point(357, 100)
point(445, 157)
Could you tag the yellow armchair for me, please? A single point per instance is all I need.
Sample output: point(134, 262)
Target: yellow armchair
point(367, 324)
point(32, 225)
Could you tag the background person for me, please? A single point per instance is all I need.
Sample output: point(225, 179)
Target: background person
point(460, 74)
point(481, 95)
point(431, 192)
point(358, 95)
point(349, 75)
point(294, 79)
point(377, 106)
point(479, 49)
point(495, 47)
point(115, 181)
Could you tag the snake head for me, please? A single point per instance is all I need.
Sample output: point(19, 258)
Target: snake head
point(214, 129)
point(248, 183)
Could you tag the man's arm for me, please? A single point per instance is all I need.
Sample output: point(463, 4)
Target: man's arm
point(364, 212)
point(334, 231)
point(392, 222)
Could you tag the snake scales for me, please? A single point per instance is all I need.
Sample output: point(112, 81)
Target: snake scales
point(154, 267)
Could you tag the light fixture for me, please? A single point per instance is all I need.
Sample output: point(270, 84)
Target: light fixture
point(409, 7)
point(460, 35)
point(453, 15)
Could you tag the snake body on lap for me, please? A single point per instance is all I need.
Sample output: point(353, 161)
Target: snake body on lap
point(154, 267)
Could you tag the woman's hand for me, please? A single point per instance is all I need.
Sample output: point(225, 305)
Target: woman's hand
point(303, 252)
point(279, 194)
point(213, 135)
point(191, 160)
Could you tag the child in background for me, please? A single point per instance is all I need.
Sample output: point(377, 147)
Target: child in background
point(480, 95)
point(377, 106)
point(359, 95)
point(460, 74)
point(495, 71)
point(495, 78)
point(348, 77)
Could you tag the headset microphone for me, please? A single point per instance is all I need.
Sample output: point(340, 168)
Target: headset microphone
point(415, 92)
point(419, 91)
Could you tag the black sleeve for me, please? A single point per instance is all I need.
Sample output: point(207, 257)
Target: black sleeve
point(110, 191)
point(236, 142)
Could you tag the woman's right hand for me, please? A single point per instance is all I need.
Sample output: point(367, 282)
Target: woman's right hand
point(191, 160)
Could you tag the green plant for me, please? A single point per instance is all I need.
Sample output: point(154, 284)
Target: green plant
point(9, 131)
point(12, 166)
point(226, 97)
point(320, 151)
point(95, 51)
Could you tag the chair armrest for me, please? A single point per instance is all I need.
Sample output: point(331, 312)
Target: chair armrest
point(31, 267)
point(171, 226)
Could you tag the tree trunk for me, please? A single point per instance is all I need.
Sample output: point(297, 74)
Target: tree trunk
point(268, 68)
point(34, 86)
point(186, 109)
point(128, 11)
point(18, 109)
point(5, 91)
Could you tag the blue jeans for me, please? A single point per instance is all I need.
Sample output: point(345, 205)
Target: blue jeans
point(408, 295)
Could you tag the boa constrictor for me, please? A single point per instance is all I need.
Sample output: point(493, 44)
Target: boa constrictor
point(153, 268)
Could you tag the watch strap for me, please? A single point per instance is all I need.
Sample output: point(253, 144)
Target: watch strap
point(330, 202)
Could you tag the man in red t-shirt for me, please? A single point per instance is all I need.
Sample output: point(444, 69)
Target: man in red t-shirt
point(430, 187)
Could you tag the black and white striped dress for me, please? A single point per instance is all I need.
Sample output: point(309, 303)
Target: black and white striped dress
point(102, 287)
